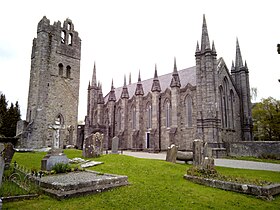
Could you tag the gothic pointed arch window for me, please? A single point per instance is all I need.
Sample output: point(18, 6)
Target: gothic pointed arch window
point(68, 71)
point(149, 115)
point(221, 91)
point(133, 117)
point(119, 119)
point(225, 103)
point(167, 113)
point(232, 108)
point(188, 105)
point(59, 120)
point(60, 69)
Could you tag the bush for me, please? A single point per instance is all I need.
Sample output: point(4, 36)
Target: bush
point(61, 168)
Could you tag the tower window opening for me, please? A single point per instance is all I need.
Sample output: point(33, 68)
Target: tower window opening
point(60, 69)
point(63, 35)
point(70, 37)
point(68, 71)
point(69, 26)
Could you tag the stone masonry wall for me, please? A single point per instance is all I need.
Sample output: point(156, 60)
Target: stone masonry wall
point(253, 148)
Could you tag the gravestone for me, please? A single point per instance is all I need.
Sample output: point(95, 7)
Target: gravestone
point(55, 155)
point(9, 153)
point(2, 165)
point(93, 146)
point(115, 145)
point(202, 155)
point(171, 154)
point(197, 152)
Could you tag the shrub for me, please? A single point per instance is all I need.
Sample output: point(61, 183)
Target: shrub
point(61, 168)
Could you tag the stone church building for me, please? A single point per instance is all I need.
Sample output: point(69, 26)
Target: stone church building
point(52, 110)
point(207, 101)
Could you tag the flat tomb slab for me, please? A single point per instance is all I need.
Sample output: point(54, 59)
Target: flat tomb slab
point(260, 191)
point(80, 183)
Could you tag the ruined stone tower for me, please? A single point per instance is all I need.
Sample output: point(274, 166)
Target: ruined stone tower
point(52, 111)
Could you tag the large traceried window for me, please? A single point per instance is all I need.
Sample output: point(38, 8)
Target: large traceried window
point(221, 91)
point(232, 108)
point(149, 115)
point(188, 104)
point(168, 113)
point(225, 101)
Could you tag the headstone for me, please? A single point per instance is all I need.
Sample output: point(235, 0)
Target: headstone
point(208, 160)
point(9, 153)
point(115, 145)
point(93, 146)
point(197, 152)
point(53, 157)
point(172, 153)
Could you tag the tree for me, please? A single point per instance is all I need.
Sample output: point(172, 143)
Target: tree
point(266, 117)
point(9, 116)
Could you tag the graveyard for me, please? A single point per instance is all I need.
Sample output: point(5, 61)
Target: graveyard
point(153, 184)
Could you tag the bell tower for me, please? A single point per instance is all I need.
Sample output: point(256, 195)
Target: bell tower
point(52, 109)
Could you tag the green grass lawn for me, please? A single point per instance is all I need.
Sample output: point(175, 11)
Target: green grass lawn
point(154, 184)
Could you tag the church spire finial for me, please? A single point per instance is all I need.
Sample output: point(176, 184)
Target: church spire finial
point(129, 78)
point(213, 48)
point(238, 57)
point(205, 43)
point(155, 75)
point(112, 96)
point(124, 82)
point(175, 65)
point(93, 80)
point(124, 90)
point(139, 77)
point(197, 48)
point(139, 88)
point(175, 81)
point(156, 85)
point(112, 85)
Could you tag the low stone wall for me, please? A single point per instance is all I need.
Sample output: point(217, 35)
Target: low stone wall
point(253, 148)
point(265, 192)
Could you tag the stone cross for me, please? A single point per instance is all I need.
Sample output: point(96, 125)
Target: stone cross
point(70, 130)
point(56, 136)
point(115, 145)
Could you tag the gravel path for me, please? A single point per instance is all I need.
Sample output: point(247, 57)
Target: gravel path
point(218, 162)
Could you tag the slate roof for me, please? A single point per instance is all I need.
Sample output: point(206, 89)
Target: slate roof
point(186, 76)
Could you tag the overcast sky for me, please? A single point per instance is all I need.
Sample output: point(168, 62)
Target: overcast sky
point(125, 36)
